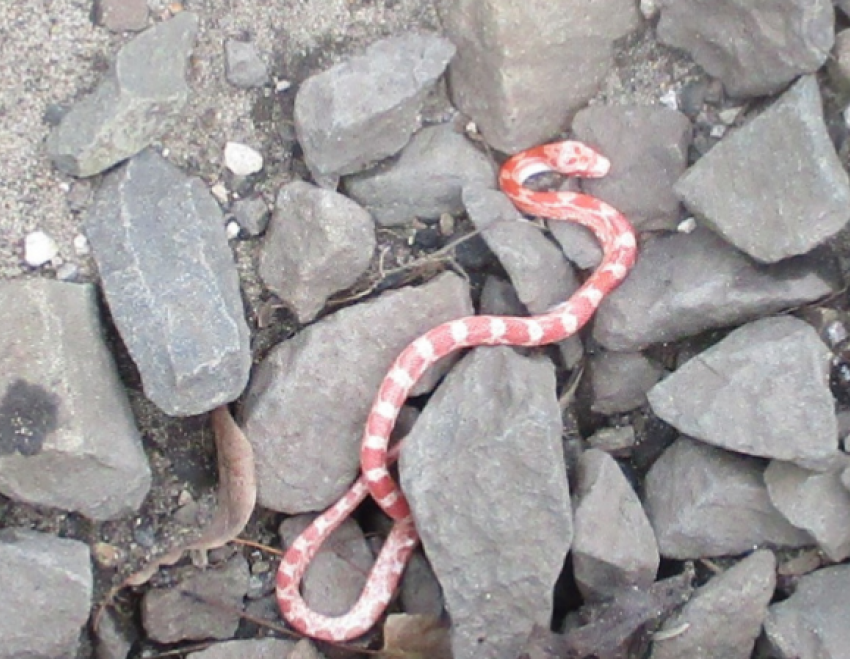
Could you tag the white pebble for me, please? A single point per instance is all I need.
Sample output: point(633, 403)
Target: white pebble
point(232, 229)
point(81, 245)
point(241, 159)
point(39, 248)
point(669, 99)
point(687, 225)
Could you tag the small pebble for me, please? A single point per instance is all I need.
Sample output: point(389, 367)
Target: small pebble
point(241, 159)
point(105, 554)
point(81, 245)
point(232, 229)
point(717, 131)
point(67, 272)
point(39, 248)
point(219, 191)
point(669, 99)
point(687, 225)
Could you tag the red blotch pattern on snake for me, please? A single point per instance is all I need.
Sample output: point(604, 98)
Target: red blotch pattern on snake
point(617, 239)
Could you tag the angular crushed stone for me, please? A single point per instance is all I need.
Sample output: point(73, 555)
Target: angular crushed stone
point(137, 102)
point(619, 381)
point(67, 435)
point(614, 545)
point(703, 501)
point(426, 180)
point(648, 150)
point(318, 243)
point(815, 502)
point(365, 109)
point(509, 73)
point(763, 390)
point(775, 187)
point(724, 617)
point(46, 594)
point(307, 405)
point(812, 622)
point(171, 284)
point(255, 648)
point(176, 613)
point(685, 284)
point(496, 543)
point(754, 48)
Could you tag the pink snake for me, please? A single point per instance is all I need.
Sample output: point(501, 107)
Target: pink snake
point(617, 239)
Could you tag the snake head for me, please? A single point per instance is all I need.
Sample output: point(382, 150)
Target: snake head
point(577, 158)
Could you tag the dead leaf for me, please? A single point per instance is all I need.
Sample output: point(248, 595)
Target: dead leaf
point(415, 637)
point(237, 494)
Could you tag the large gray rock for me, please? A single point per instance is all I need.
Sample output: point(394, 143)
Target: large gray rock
point(684, 284)
point(703, 501)
point(46, 594)
point(775, 187)
point(365, 109)
point(171, 284)
point(763, 390)
point(755, 48)
point(491, 430)
point(648, 150)
point(179, 612)
point(614, 544)
point(812, 622)
point(318, 242)
point(137, 102)
point(426, 180)
point(67, 435)
point(724, 617)
point(815, 502)
point(307, 405)
point(524, 68)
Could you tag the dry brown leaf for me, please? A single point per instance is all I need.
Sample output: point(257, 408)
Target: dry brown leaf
point(237, 494)
point(415, 637)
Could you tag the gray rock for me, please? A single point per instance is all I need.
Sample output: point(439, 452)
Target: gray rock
point(577, 242)
point(499, 298)
point(723, 617)
point(137, 102)
point(177, 613)
point(256, 648)
point(755, 49)
point(685, 284)
point(336, 576)
point(307, 405)
point(648, 150)
point(243, 66)
point(318, 243)
point(812, 622)
point(788, 208)
point(618, 441)
point(67, 434)
point(838, 66)
point(619, 381)
point(252, 214)
point(426, 180)
point(171, 284)
point(614, 545)
point(815, 502)
point(363, 110)
point(492, 428)
point(516, 92)
point(420, 592)
point(538, 270)
point(763, 390)
point(46, 594)
point(703, 501)
point(121, 15)
point(115, 635)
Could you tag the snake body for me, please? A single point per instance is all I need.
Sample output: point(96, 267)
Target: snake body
point(617, 239)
